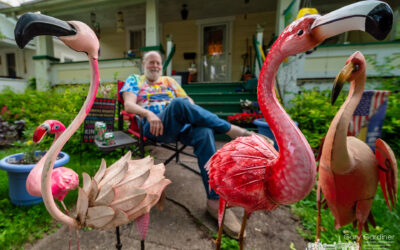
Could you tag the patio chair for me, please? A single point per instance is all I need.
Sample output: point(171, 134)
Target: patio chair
point(135, 128)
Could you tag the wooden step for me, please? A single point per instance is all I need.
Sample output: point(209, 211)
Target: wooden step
point(231, 107)
point(213, 87)
point(223, 96)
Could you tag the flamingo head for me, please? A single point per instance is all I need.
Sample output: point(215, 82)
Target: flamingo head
point(49, 126)
point(354, 68)
point(77, 35)
point(373, 17)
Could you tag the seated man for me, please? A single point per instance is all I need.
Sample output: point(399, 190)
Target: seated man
point(170, 114)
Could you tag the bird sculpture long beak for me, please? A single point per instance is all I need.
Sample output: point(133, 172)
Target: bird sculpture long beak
point(30, 25)
point(341, 78)
point(40, 132)
point(373, 17)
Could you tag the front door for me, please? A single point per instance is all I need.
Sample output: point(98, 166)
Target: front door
point(215, 53)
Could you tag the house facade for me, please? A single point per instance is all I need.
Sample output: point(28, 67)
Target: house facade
point(214, 40)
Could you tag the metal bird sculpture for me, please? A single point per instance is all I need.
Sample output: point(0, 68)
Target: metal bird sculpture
point(123, 192)
point(63, 179)
point(348, 170)
point(250, 173)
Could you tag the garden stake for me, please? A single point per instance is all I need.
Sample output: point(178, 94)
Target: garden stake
point(248, 172)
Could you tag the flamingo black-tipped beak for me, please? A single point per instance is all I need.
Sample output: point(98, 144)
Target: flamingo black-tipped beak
point(373, 17)
point(340, 79)
point(30, 25)
point(40, 132)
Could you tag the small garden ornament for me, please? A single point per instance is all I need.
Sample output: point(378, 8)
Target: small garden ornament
point(348, 170)
point(248, 172)
point(62, 179)
point(116, 195)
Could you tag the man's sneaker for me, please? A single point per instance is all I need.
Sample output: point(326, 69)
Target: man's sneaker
point(231, 222)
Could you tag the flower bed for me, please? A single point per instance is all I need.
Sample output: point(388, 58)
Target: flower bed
point(244, 119)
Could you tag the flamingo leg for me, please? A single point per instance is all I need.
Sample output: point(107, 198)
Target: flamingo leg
point(78, 239)
point(65, 208)
point(359, 236)
point(241, 234)
point(221, 218)
point(70, 237)
point(318, 234)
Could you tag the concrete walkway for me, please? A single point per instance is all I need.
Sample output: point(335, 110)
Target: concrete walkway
point(184, 222)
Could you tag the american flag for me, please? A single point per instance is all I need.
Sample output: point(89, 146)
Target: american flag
point(370, 103)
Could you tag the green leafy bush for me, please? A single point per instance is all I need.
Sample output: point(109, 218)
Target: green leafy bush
point(314, 113)
point(60, 103)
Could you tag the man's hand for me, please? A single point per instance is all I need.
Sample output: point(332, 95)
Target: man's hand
point(156, 126)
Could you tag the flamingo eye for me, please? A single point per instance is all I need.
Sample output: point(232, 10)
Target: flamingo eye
point(300, 32)
point(356, 67)
point(56, 126)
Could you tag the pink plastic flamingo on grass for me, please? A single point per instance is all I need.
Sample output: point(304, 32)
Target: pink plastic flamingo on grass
point(62, 179)
point(116, 195)
point(250, 173)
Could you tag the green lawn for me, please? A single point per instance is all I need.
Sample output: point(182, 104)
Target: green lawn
point(386, 235)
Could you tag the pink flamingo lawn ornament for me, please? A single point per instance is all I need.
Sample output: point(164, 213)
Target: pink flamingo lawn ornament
point(62, 179)
point(348, 169)
point(116, 195)
point(250, 173)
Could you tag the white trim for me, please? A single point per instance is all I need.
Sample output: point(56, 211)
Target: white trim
point(228, 21)
point(215, 20)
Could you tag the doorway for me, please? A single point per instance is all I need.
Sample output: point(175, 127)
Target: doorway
point(215, 52)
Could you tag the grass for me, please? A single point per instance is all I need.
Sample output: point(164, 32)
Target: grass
point(20, 225)
point(386, 235)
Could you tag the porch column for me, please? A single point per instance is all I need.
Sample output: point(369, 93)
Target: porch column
point(44, 56)
point(152, 29)
point(259, 38)
point(170, 44)
point(287, 74)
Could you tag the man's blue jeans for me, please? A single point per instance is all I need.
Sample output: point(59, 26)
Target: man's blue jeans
point(194, 126)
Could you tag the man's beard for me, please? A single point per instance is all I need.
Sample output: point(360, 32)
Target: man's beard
point(152, 75)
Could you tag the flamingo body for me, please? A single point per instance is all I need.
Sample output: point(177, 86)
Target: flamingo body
point(241, 172)
point(342, 191)
point(63, 180)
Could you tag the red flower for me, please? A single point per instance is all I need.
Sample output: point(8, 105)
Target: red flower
point(244, 118)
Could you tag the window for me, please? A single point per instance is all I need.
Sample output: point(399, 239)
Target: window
point(11, 66)
point(136, 38)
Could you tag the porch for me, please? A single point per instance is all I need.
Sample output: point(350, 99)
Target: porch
point(211, 39)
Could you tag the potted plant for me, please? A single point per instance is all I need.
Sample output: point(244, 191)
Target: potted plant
point(244, 119)
point(18, 167)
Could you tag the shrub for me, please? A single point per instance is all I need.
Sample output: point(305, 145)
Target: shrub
point(60, 103)
point(314, 113)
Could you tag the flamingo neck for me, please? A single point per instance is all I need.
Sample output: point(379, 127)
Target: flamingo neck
point(293, 173)
point(55, 149)
point(337, 134)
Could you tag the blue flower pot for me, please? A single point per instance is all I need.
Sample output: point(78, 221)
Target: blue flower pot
point(264, 129)
point(17, 175)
